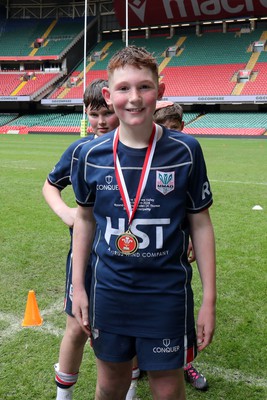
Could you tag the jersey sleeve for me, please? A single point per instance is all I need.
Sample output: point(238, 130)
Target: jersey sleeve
point(199, 195)
point(83, 194)
point(60, 175)
point(75, 157)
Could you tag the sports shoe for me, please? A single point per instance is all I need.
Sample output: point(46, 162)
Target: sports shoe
point(195, 378)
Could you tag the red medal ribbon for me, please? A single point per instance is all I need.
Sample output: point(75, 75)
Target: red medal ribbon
point(144, 175)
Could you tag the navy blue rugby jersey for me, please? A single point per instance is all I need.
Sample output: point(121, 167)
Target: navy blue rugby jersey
point(148, 293)
point(60, 176)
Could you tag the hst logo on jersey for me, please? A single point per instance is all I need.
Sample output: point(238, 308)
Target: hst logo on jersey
point(136, 229)
point(165, 182)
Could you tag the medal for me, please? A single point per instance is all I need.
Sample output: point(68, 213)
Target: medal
point(127, 242)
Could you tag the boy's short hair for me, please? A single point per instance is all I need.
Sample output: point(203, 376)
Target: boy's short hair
point(93, 96)
point(169, 113)
point(132, 55)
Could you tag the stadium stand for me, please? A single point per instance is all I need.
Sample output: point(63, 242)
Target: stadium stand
point(8, 83)
point(206, 65)
point(204, 80)
point(6, 118)
point(228, 123)
point(215, 48)
point(13, 84)
point(17, 35)
point(41, 63)
point(60, 37)
point(49, 122)
point(259, 85)
point(76, 92)
point(29, 54)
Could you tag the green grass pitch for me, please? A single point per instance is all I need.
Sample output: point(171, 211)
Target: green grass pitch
point(34, 245)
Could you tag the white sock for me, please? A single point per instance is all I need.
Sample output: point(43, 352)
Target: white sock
point(131, 394)
point(64, 394)
point(62, 379)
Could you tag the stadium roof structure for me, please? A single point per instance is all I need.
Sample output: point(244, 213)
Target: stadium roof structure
point(51, 9)
point(142, 12)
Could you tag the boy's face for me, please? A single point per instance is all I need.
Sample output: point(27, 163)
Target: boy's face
point(102, 120)
point(133, 92)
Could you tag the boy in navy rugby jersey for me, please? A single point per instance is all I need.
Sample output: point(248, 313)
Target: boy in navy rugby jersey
point(102, 120)
point(140, 191)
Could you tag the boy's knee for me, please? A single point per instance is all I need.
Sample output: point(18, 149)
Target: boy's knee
point(113, 380)
point(75, 332)
point(111, 391)
point(167, 386)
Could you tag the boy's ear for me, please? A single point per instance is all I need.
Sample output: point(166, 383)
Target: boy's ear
point(106, 95)
point(182, 126)
point(161, 90)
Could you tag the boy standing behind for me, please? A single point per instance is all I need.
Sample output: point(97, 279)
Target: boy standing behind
point(171, 116)
point(140, 191)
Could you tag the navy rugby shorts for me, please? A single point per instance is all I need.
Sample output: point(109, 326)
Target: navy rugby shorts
point(153, 354)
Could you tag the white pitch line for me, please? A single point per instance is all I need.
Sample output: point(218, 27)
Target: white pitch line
point(54, 307)
point(17, 167)
point(228, 375)
point(239, 182)
point(50, 328)
point(233, 375)
point(14, 326)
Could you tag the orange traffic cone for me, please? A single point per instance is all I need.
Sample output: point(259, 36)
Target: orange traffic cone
point(32, 315)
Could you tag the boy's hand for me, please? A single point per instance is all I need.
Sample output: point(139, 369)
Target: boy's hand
point(205, 326)
point(68, 216)
point(162, 104)
point(80, 309)
point(191, 253)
